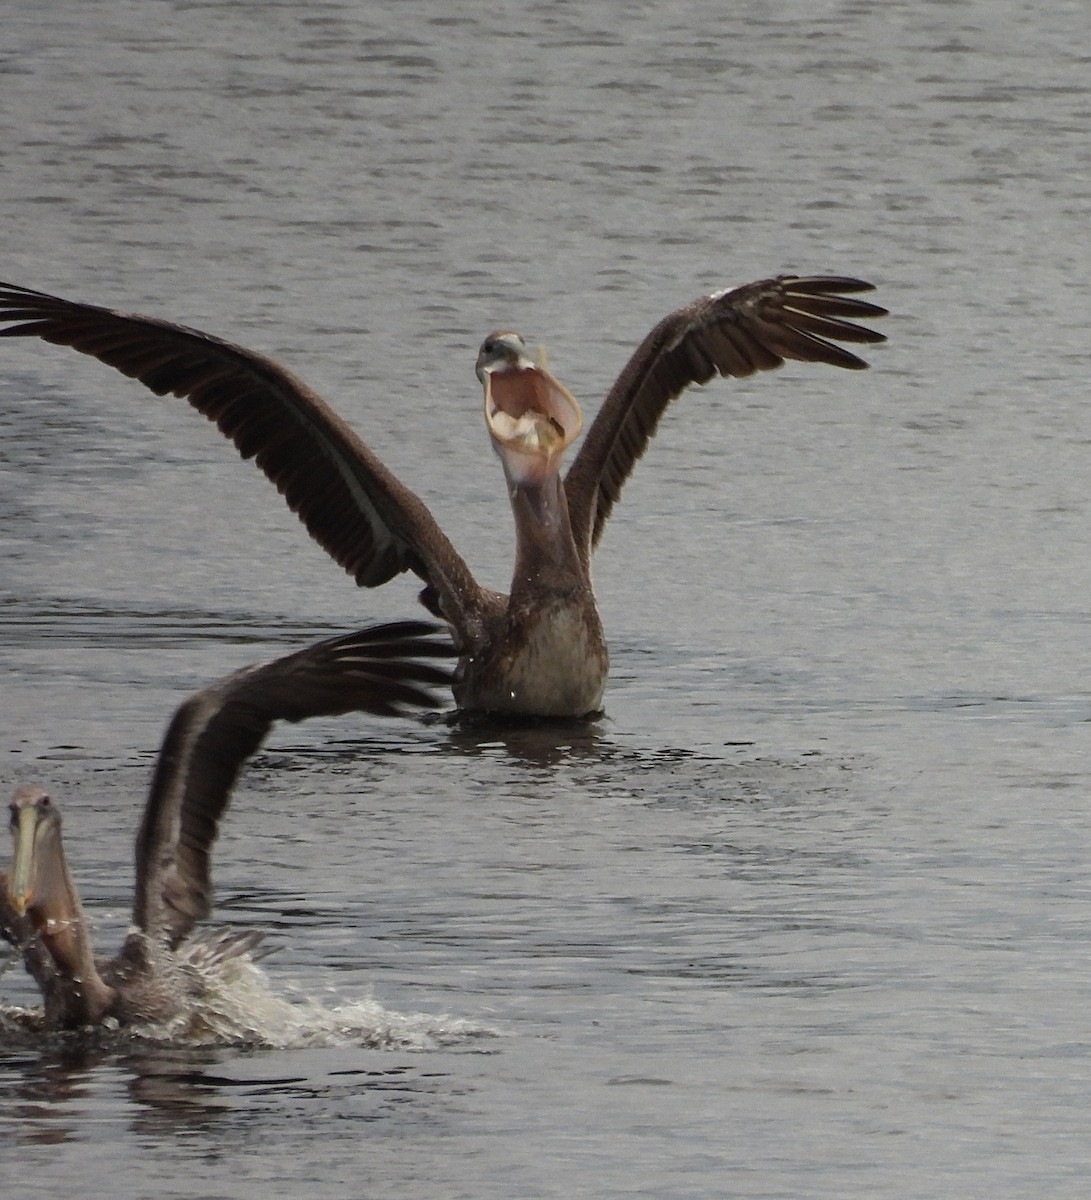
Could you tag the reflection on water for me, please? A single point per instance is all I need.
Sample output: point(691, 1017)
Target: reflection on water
point(536, 744)
point(171, 1091)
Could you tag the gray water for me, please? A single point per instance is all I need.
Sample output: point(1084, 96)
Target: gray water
point(806, 914)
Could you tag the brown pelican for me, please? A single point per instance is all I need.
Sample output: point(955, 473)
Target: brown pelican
point(539, 651)
point(383, 670)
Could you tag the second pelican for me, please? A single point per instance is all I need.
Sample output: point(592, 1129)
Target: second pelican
point(383, 670)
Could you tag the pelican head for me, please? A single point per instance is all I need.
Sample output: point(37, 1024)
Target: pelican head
point(502, 350)
point(36, 833)
point(531, 417)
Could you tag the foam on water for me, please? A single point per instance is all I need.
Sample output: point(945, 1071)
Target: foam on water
point(241, 1005)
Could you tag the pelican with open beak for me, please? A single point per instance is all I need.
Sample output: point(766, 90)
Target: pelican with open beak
point(540, 650)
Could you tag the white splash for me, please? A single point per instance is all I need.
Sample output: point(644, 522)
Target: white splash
point(239, 1004)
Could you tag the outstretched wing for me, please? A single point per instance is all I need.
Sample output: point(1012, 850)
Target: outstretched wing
point(350, 503)
point(385, 669)
point(735, 332)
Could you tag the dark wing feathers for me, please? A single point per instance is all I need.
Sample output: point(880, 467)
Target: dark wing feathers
point(737, 332)
point(386, 670)
point(353, 507)
point(371, 524)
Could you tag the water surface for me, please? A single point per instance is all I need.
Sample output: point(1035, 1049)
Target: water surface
point(806, 913)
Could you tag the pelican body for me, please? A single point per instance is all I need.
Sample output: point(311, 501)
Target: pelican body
point(157, 974)
point(539, 651)
point(544, 651)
